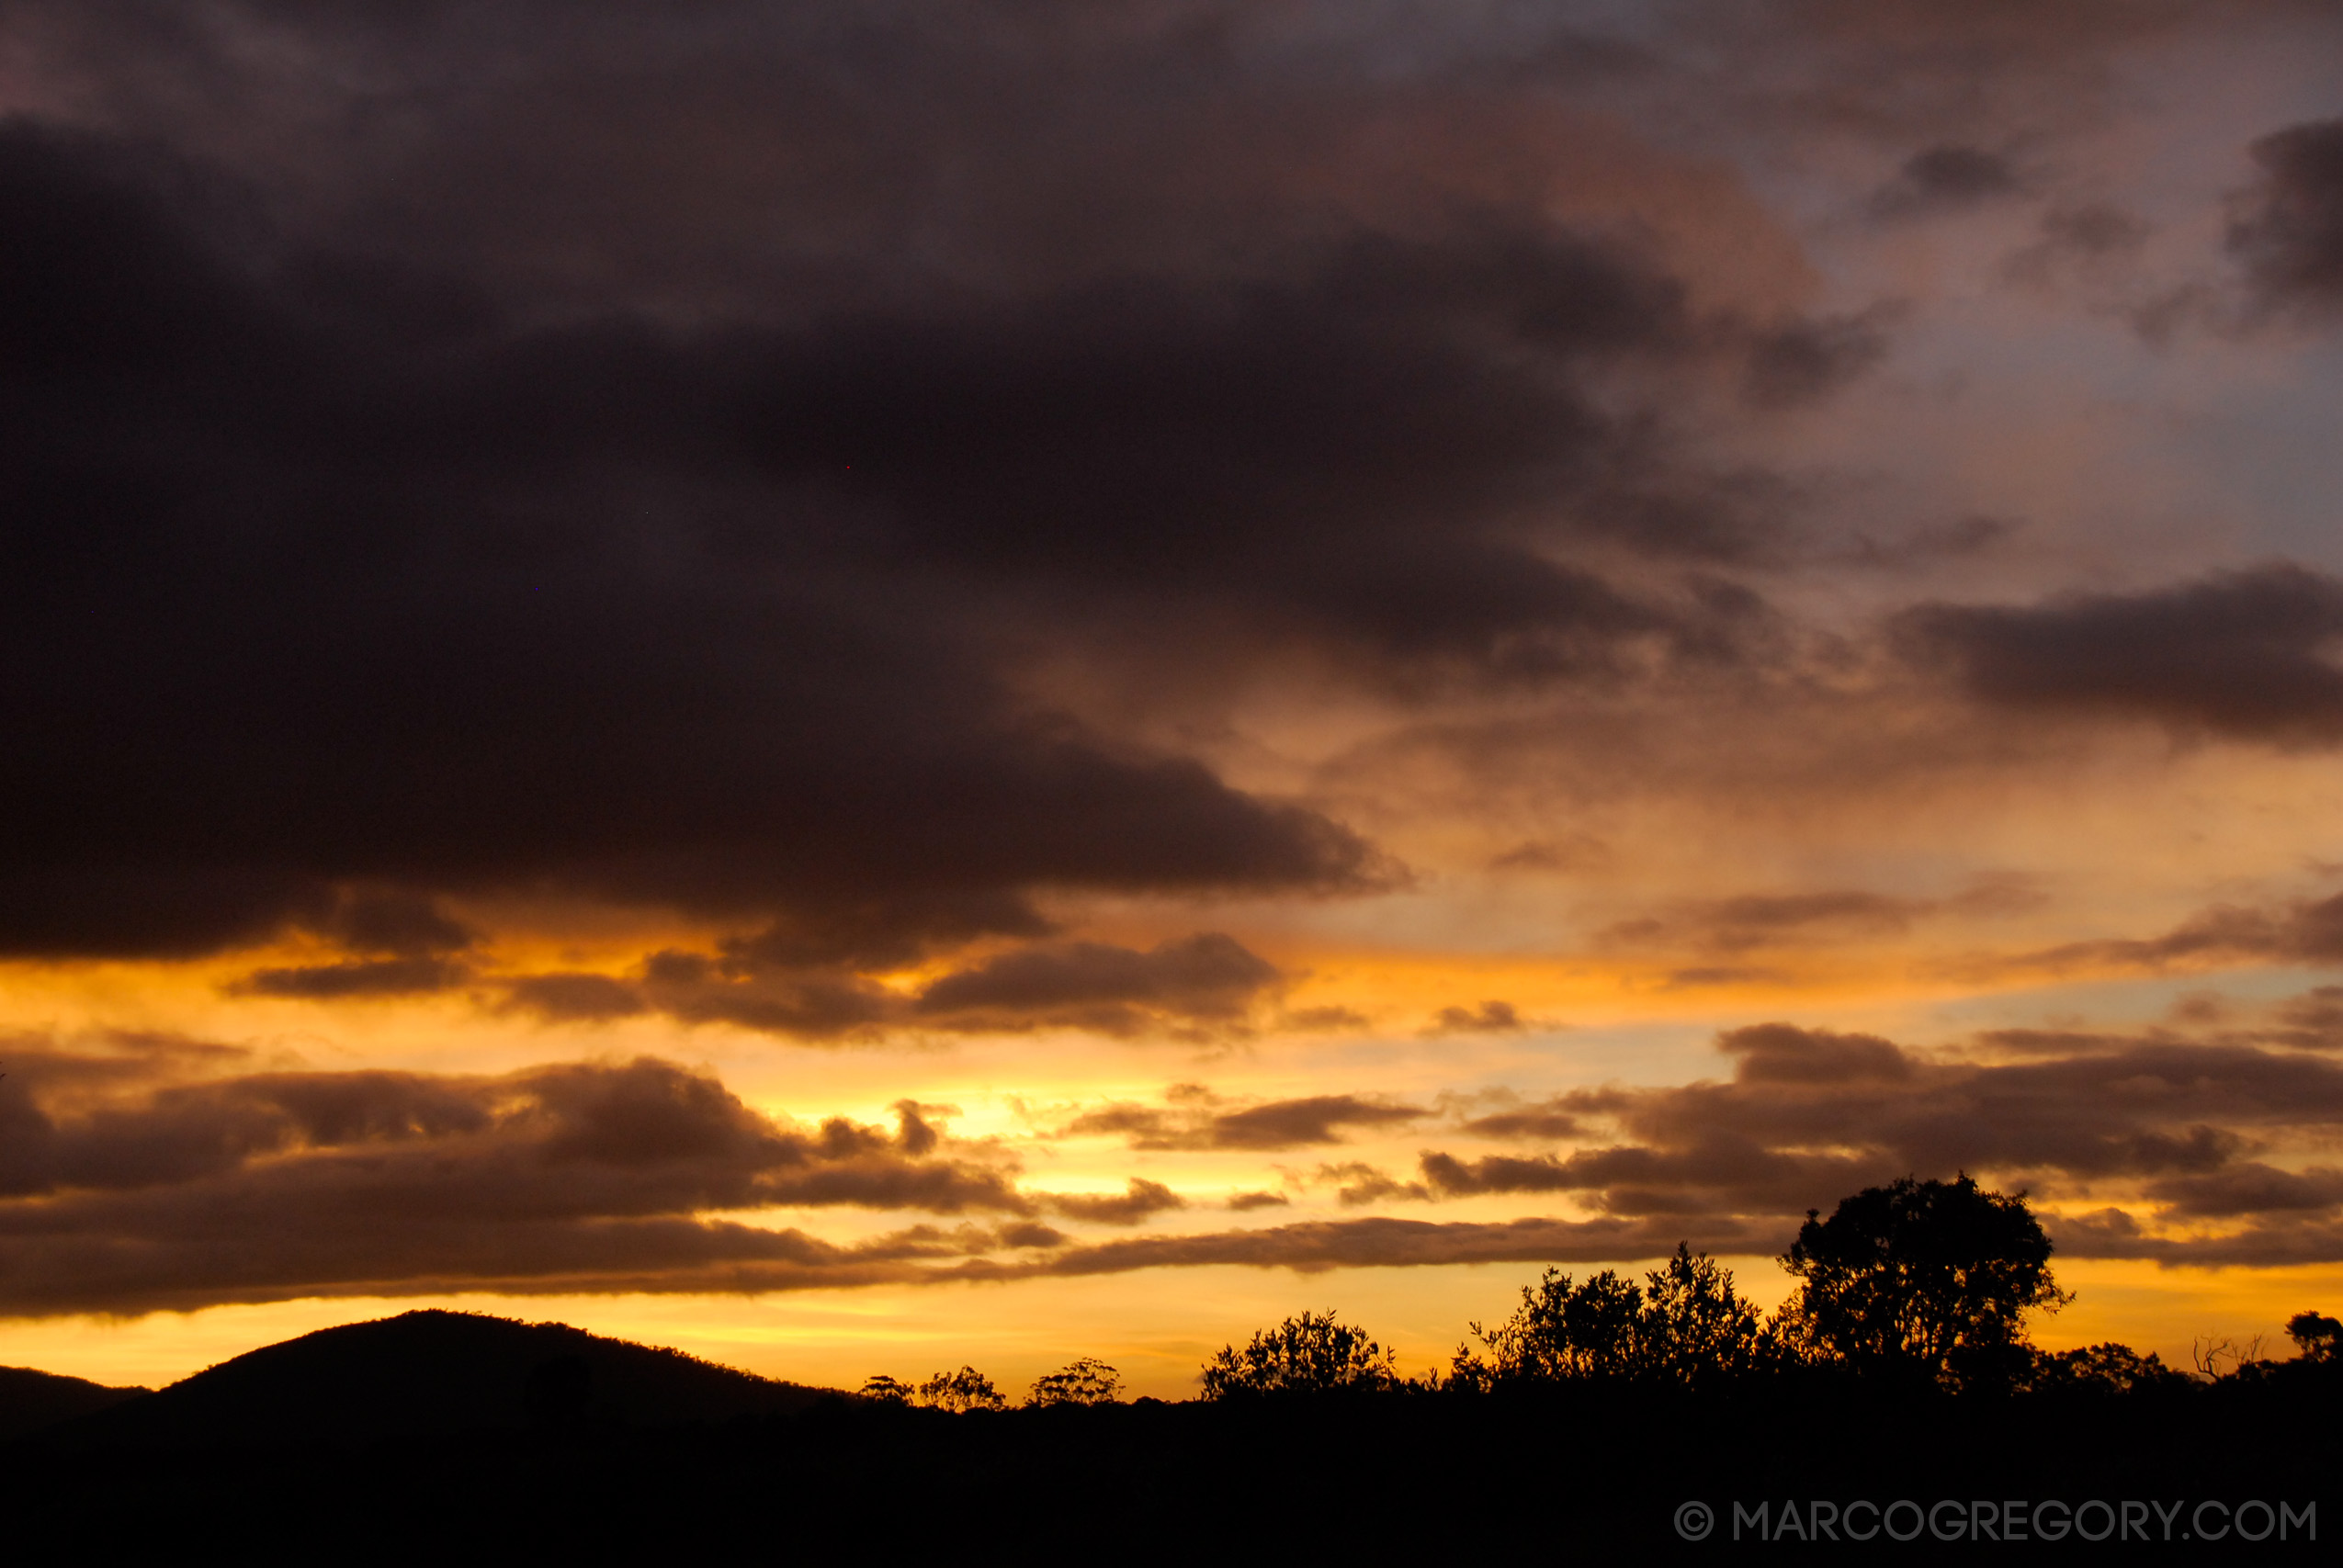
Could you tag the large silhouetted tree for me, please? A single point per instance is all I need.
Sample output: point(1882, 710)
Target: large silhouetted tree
point(1311, 1354)
point(1924, 1282)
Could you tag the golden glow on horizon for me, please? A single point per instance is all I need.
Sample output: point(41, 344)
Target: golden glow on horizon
point(1157, 1327)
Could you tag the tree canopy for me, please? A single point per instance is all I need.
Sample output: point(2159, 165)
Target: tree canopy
point(1685, 1324)
point(1314, 1353)
point(1924, 1280)
point(2316, 1336)
point(960, 1392)
point(1085, 1381)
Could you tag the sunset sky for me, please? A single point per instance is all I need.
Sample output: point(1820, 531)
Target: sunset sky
point(865, 686)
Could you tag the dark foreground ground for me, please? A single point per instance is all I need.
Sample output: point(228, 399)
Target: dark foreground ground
point(540, 1470)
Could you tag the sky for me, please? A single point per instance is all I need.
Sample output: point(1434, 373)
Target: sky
point(865, 686)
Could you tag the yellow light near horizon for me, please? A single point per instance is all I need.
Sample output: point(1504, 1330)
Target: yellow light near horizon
point(1156, 1327)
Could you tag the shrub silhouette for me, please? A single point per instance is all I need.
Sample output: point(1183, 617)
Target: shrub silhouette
point(1312, 1354)
point(1923, 1281)
point(960, 1392)
point(1685, 1324)
point(1086, 1381)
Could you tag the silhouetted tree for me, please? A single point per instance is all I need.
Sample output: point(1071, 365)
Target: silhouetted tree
point(1924, 1280)
point(890, 1390)
point(1562, 1330)
point(1696, 1328)
point(1685, 1324)
point(2211, 1350)
point(1083, 1382)
point(960, 1392)
point(2315, 1335)
point(1311, 1354)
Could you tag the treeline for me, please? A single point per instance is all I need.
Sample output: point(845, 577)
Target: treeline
point(1918, 1286)
point(1597, 1414)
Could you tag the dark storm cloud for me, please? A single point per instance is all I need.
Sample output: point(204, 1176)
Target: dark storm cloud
point(2239, 654)
point(304, 593)
point(2290, 232)
point(1275, 1124)
point(651, 474)
point(325, 573)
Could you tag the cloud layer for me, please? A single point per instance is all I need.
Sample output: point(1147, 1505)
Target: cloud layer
point(159, 1173)
point(1365, 558)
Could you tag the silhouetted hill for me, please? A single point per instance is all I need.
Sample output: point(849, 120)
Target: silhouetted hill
point(1586, 1470)
point(31, 1400)
point(432, 1371)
